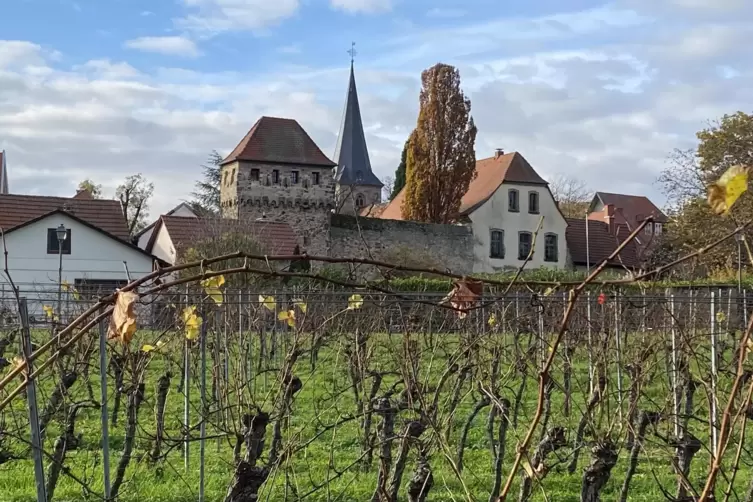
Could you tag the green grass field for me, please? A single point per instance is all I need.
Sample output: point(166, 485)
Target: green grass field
point(321, 451)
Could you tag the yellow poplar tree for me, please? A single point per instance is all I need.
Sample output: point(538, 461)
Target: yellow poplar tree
point(441, 162)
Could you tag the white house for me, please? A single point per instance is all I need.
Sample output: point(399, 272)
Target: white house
point(184, 210)
point(504, 205)
point(96, 251)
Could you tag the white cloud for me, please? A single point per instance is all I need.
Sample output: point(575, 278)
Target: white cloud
point(617, 108)
point(171, 45)
point(446, 12)
point(709, 4)
point(214, 16)
point(367, 6)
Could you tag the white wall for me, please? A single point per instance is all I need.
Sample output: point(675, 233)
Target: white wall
point(94, 256)
point(494, 215)
point(163, 247)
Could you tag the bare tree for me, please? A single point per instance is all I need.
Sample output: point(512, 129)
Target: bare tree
point(134, 195)
point(389, 185)
point(572, 195)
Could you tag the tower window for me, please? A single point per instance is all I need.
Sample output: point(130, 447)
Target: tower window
point(254, 175)
point(294, 177)
point(360, 202)
point(314, 178)
point(276, 176)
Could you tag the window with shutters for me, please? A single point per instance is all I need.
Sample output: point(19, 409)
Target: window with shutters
point(533, 202)
point(513, 204)
point(524, 245)
point(497, 244)
point(550, 247)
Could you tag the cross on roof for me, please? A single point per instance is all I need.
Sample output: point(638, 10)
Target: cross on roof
point(352, 51)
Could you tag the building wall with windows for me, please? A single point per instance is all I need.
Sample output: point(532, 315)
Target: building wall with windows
point(504, 228)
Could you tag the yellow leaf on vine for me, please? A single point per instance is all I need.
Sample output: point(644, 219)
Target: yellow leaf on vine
point(289, 316)
point(355, 302)
point(268, 302)
point(212, 287)
point(300, 304)
point(148, 348)
point(492, 320)
point(49, 312)
point(123, 320)
point(720, 317)
point(727, 189)
point(193, 324)
point(548, 291)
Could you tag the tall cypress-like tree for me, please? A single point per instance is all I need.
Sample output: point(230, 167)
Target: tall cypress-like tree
point(206, 194)
point(440, 161)
point(400, 173)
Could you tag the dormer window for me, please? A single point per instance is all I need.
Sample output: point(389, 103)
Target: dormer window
point(359, 175)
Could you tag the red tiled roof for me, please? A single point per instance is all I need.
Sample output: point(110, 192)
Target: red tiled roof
point(490, 174)
point(102, 213)
point(373, 210)
point(635, 208)
point(274, 237)
point(278, 140)
point(601, 244)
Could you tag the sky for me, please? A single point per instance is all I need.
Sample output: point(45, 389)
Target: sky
point(604, 92)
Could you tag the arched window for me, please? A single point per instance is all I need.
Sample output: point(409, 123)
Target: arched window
point(360, 202)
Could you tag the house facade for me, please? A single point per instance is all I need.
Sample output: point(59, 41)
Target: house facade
point(504, 206)
point(97, 255)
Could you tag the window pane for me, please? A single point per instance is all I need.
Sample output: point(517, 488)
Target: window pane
point(497, 246)
point(524, 245)
point(513, 200)
point(533, 202)
point(550, 247)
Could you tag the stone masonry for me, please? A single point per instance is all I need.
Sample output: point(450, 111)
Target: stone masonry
point(299, 195)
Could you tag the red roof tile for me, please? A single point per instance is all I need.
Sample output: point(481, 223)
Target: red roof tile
point(490, 174)
point(601, 244)
point(102, 213)
point(278, 140)
point(184, 231)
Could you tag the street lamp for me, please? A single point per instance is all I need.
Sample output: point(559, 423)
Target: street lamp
point(62, 234)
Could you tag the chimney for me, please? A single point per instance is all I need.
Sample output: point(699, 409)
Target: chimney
point(498, 153)
point(609, 217)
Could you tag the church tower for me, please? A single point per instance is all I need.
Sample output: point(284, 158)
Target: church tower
point(356, 185)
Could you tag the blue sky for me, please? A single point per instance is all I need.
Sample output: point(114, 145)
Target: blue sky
point(598, 91)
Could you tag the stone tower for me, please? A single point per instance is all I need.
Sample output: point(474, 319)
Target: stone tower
point(356, 185)
point(278, 173)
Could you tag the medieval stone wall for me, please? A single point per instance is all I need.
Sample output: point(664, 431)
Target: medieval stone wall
point(442, 246)
point(274, 193)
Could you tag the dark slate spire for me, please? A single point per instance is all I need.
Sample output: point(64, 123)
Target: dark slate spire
point(351, 154)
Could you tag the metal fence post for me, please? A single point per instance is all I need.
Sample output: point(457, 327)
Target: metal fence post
point(203, 427)
point(31, 397)
point(675, 370)
point(103, 407)
point(714, 438)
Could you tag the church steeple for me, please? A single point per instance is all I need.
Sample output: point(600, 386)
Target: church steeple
point(351, 154)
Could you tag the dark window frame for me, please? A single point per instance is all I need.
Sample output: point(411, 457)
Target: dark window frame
point(315, 179)
point(275, 176)
point(513, 203)
point(255, 174)
point(295, 177)
point(533, 195)
point(529, 244)
point(547, 246)
point(497, 251)
point(53, 247)
point(360, 197)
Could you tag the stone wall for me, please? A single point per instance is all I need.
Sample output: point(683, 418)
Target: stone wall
point(442, 246)
point(252, 190)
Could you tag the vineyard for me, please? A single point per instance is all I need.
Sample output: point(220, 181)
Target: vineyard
point(200, 389)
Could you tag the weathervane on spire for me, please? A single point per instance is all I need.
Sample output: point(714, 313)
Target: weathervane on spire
point(352, 52)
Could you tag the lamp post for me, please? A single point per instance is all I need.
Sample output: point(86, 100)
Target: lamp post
point(62, 234)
